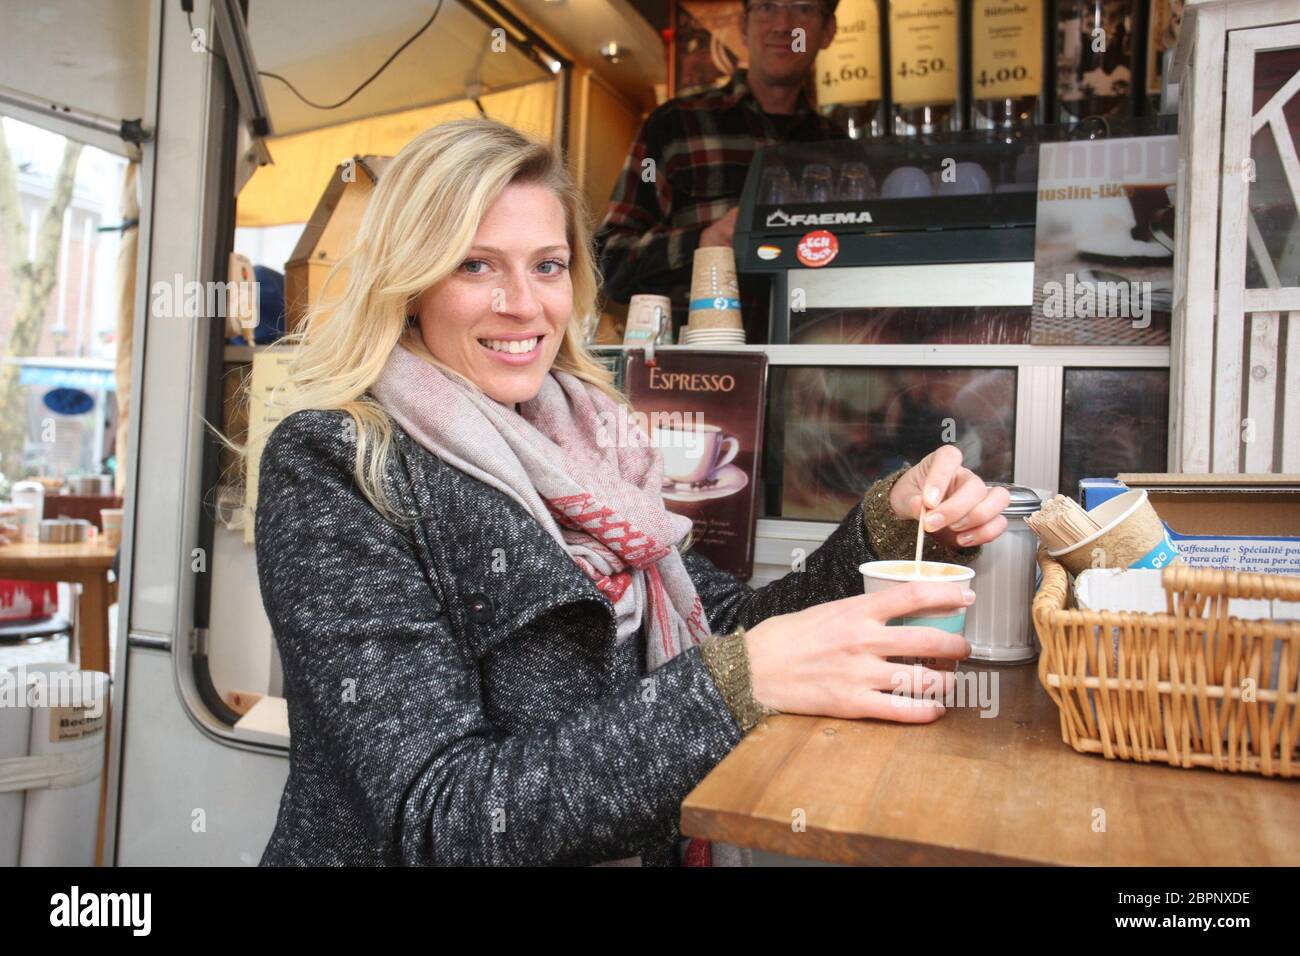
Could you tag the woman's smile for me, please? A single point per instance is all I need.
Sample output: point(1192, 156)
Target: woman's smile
point(514, 349)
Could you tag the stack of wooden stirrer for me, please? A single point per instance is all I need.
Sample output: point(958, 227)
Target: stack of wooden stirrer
point(1061, 524)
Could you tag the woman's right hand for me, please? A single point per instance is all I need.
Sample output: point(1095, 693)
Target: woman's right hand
point(830, 660)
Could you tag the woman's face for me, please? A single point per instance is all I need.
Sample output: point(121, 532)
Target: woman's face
point(500, 317)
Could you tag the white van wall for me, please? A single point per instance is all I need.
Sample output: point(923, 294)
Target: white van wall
point(181, 789)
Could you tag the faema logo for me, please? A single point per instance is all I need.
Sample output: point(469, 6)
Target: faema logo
point(782, 218)
point(102, 909)
point(817, 248)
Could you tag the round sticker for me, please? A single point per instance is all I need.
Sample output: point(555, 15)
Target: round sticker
point(817, 248)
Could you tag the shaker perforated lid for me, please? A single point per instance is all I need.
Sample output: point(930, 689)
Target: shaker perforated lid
point(1024, 501)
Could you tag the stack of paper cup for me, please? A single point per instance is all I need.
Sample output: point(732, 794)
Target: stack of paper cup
point(649, 317)
point(715, 318)
point(29, 498)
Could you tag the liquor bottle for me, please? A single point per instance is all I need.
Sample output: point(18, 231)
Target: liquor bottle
point(850, 81)
point(924, 66)
point(1008, 46)
point(1095, 59)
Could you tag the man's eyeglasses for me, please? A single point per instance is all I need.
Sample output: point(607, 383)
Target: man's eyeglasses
point(801, 11)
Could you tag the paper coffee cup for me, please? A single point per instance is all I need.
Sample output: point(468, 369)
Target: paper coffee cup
point(646, 315)
point(111, 519)
point(1131, 536)
point(715, 290)
point(879, 575)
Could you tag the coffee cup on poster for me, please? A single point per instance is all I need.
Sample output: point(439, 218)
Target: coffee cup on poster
point(715, 290)
point(1124, 228)
point(881, 575)
point(694, 454)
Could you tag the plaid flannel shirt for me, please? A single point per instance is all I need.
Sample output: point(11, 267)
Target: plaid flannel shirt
point(701, 146)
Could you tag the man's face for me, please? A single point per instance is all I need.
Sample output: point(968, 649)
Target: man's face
point(784, 36)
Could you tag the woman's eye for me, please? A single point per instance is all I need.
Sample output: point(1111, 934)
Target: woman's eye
point(469, 264)
point(556, 266)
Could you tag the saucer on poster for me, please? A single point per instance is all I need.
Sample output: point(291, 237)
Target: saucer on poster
point(730, 479)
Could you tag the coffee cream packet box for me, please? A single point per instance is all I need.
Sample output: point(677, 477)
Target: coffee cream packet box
point(1139, 590)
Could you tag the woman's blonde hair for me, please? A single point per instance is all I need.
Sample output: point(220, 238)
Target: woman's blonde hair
point(417, 229)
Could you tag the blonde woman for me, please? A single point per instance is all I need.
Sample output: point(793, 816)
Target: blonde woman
point(495, 648)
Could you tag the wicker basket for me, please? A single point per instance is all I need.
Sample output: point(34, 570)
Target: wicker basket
point(1176, 688)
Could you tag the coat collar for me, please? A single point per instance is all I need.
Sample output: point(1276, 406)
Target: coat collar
point(486, 545)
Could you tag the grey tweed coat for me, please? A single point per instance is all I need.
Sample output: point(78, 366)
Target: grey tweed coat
point(455, 692)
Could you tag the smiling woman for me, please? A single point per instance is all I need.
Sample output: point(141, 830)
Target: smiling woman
point(475, 237)
point(497, 646)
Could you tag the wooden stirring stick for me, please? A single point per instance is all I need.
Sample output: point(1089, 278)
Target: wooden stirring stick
point(920, 537)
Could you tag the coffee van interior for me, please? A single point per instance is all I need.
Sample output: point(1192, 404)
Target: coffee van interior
point(197, 688)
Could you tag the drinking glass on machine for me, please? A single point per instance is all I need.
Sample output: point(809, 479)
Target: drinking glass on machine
point(776, 187)
point(855, 182)
point(817, 185)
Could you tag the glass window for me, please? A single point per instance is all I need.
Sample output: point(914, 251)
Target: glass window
point(832, 431)
point(1273, 257)
point(59, 305)
point(1113, 420)
point(1007, 325)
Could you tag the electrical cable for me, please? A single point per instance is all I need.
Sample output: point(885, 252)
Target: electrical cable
point(329, 106)
point(333, 106)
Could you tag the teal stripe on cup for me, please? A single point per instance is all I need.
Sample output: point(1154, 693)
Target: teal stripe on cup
point(718, 302)
point(952, 623)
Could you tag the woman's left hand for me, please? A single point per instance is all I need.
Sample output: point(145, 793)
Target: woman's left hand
point(960, 510)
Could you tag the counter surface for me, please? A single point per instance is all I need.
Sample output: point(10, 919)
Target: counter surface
point(968, 789)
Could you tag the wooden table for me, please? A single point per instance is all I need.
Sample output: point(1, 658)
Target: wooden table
point(84, 564)
point(982, 790)
point(87, 565)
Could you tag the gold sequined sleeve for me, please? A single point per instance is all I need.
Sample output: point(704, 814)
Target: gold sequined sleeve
point(727, 659)
point(893, 538)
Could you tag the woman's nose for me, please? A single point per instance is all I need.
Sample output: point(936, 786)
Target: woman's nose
point(516, 297)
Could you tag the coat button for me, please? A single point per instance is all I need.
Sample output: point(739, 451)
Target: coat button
point(480, 607)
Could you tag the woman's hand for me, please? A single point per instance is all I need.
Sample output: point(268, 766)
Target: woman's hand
point(960, 510)
point(830, 660)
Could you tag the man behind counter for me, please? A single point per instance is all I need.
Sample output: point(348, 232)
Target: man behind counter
point(701, 147)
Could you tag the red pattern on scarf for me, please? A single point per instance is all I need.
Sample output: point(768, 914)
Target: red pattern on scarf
point(582, 513)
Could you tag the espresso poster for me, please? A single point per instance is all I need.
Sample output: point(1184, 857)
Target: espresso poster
point(1104, 242)
point(704, 411)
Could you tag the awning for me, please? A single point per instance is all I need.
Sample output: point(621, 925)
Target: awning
point(92, 57)
point(288, 190)
point(90, 375)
